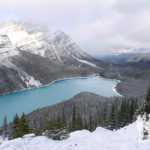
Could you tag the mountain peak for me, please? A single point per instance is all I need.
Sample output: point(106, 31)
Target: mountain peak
point(19, 36)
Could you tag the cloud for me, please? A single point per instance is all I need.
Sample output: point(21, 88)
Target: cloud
point(98, 26)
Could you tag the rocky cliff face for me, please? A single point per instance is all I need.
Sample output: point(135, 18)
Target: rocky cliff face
point(31, 56)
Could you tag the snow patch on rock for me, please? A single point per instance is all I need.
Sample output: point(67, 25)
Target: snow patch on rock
point(30, 81)
point(26, 78)
point(86, 62)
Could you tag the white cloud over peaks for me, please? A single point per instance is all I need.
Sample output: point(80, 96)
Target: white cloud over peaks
point(98, 26)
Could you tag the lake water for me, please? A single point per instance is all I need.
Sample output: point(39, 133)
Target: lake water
point(29, 100)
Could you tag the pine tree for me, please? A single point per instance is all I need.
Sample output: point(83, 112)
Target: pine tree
point(57, 129)
point(16, 129)
point(64, 117)
point(127, 111)
point(20, 126)
point(5, 128)
point(101, 121)
point(79, 125)
point(105, 119)
point(34, 125)
point(74, 119)
point(123, 114)
point(133, 108)
point(112, 125)
point(85, 125)
point(147, 104)
point(91, 124)
point(137, 110)
point(46, 121)
point(24, 125)
point(118, 120)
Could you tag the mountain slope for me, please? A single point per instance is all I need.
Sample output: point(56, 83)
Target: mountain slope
point(32, 56)
point(29, 70)
point(54, 45)
point(137, 58)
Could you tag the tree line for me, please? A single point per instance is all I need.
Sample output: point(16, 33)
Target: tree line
point(18, 128)
point(110, 118)
point(112, 114)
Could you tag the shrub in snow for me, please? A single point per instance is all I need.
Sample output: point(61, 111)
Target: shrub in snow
point(57, 134)
point(56, 129)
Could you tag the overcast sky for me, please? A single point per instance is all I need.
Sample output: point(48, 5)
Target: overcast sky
point(98, 26)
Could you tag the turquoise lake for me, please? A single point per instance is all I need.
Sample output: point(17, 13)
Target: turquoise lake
point(29, 100)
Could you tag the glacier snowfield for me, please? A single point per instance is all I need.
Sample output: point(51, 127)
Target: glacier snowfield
point(29, 100)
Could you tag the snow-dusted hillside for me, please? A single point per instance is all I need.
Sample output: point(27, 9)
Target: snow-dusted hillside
point(127, 138)
point(132, 56)
point(17, 36)
point(33, 56)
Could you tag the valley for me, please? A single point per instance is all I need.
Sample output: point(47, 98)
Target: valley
point(47, 76)
point(74, 75)
point(33, 65)
point(134, 77)
point(29, 100)
point(56, 56)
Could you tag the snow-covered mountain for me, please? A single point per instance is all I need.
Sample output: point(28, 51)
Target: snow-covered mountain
point(127, 138)
point(132, 51)
point(32, 56)
point(135, 57)
point(37, 40)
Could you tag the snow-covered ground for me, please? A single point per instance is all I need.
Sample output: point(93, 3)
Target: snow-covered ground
point(127, 138)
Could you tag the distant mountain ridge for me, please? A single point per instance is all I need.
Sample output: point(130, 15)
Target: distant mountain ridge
point(139, 57)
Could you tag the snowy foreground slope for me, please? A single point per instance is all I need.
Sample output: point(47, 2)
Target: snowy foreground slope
point(127, 138)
